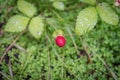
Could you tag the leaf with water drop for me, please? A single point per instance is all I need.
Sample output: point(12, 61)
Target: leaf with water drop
point(26, 8)
point(16, 23)
point(36, 26)
point(107, 14)
point(86, 20)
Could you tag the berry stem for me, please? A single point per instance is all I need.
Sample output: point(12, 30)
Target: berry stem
point(59, 57)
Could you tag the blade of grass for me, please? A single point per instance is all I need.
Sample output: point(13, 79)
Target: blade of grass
point(20, 48)
point(14, 41)
point(8, 48)
point(73, 40)
point(49, 69)
point(75, 45)
point(60, 59)
point(5, 75)
point(10, 70)
point(60, 18)
point(104, 63)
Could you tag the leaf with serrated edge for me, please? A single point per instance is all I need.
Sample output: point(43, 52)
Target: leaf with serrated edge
point(59, 5)
point(36, 26)
point(86, 20)
point(26, 8)
point(107, 14)
point(16, 23)
point(92, 2)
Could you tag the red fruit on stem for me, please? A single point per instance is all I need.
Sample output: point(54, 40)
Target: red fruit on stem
point(60, 40)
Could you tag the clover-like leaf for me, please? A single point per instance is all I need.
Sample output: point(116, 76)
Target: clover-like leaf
point(36, 26)
point(107, 14)
point(91, 2)
point(86, 20)
point(26, 8)
point(16, 23)
point(59, 5)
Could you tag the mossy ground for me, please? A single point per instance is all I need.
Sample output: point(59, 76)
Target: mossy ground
point(94, 56)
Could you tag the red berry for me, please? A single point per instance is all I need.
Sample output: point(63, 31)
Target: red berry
point(60, 41)
point(118, 1)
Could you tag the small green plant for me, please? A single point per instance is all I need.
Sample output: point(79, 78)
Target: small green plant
point(90, 43)
point(19, 23)
point(85, 22)
point(87, 18)
point(59, 5)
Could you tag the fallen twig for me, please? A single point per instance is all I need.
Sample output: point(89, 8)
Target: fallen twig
point(19, 47)
point(9, 47)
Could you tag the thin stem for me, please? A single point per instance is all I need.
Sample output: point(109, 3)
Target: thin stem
point(57, 14)
point(10, 70)
point(49, 70)
point(86, 50)
point(73, 40)
point(5, 75)
point(17, 37)
point(8, 48)
point(104, 63)
point(20, 48)
point(61, 58)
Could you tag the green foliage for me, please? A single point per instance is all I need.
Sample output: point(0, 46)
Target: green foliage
point(107, 14)
point(16, 23)
point(59, 5)
point(36, 26)
point(19, 23)
point(56, 33)
point(26, 8)
point(86, 20)
point(31, 59)
point(92, 2)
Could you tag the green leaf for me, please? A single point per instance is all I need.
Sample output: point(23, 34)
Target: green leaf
point(57, 32)
point(59, 5)
point(16, 23)
point(86, 20)
point(36, 26)
point(26, 8)
point(107, 14)
point(91, 2)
